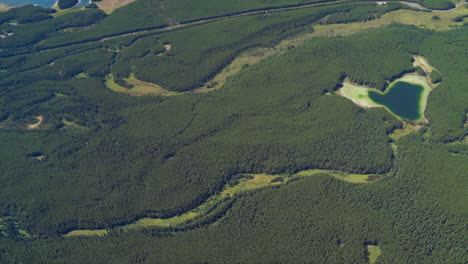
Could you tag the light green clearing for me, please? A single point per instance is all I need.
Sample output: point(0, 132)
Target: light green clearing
point(245, 183)
point(374, 253)
point(72, 125)
point(100, 232)
point(360, 94)
point(406, 130)
point(82, 75)
point(140, 88)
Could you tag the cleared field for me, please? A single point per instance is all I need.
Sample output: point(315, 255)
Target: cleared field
point(100, 232)
point(420, 61)
point(248, 58)
point(358, 94)
point(374, 252)
point(347, 177)
point(109, 6)
point(420, 19)
point(406, 130)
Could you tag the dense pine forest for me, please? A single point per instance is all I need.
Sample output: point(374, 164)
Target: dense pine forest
point(77, 155)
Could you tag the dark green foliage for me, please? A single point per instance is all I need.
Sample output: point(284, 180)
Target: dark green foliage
point(436, 76)
point(437, 4)
point(161, 156)
point(230, 133)
point(28, 34)
point(447, 106)
point(137, 16)
point(92, 5)
point(459, 18)
point(420, 71)
point(361, 14)
point(64, 4)
point(26, 14)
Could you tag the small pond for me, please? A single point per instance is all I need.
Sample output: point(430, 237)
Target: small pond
point(402, 98)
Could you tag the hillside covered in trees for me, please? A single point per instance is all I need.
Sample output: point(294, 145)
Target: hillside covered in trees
point(155, 110)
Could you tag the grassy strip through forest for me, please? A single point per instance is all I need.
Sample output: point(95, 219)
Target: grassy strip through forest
point(244, 183)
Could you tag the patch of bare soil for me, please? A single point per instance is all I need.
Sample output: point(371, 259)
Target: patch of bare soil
point(37, 124)
point(109, 6)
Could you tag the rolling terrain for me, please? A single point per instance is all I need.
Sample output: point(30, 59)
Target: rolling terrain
point(213, 131)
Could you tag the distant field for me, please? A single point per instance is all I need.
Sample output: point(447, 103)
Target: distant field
point(109, 6)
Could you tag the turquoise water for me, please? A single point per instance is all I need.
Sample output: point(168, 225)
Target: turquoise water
point(403, 99)
point(44, 3)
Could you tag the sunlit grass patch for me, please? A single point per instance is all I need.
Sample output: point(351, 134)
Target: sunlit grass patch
point(347, 177)
point(139, 88)
point(99, 232)
point(72, 125)
point(109, 6)
point(374, 252)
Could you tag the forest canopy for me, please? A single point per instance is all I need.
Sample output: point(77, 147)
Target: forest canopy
point(178, 113)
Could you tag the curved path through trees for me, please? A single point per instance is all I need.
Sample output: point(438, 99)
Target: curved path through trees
point(215, 206)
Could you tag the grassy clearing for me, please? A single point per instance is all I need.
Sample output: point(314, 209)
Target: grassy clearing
point(109, 6)
point(420, 61)
point(248, 58)
point(251, 182)
point(358, 94)
point(72, 125)
point(140, 88)
point(374, 253)
point(347, 177)
point(100, 232)
point(82, 75)
point(407, 17)
point(406, 130)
